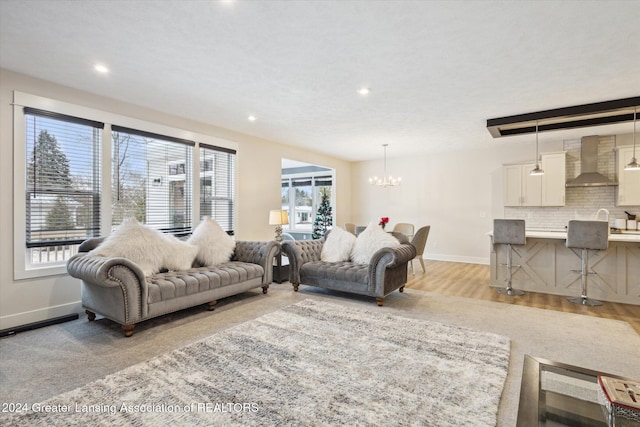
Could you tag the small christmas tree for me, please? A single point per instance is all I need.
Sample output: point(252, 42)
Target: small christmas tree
point(323, 218)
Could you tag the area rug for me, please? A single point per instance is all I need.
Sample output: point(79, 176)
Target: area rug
point(311, 363)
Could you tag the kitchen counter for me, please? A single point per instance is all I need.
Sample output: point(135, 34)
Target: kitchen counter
point(562, 234)
point(547, 266)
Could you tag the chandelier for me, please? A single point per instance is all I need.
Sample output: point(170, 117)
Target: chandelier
point(386, 180)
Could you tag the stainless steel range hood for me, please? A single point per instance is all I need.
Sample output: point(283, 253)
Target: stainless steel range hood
point(589, 175)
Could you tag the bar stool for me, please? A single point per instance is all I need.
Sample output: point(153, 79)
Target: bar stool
point(509, 232)
point(585, 235)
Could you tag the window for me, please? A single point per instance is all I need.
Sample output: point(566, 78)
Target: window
point(151, 180)
point(62, 184)
point(77, 176)
point(217, 170)
point(302, 188)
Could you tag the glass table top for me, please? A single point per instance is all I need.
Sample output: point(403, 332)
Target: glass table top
point(556, 394)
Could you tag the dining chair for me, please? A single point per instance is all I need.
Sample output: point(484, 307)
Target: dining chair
point(420, 241)
point(404, 228)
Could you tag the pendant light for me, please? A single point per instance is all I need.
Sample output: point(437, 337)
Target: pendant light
point(386, 180)
point(633, 164)
point(537, 170)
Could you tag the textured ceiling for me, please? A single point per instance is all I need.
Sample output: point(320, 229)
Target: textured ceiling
point(437, 70)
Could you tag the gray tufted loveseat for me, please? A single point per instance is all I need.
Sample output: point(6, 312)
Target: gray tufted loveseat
point(386, 272)
point(117, 289)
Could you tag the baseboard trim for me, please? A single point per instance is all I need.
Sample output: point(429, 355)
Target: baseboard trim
point(40, 324)
point(17, 320)
point(454, 258)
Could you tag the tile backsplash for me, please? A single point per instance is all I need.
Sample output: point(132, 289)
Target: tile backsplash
point(580, 202)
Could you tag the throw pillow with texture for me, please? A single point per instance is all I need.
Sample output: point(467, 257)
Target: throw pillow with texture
point(183, 254)
point(338, 246)
point(149, 248)
point(215, 246)
point(372, 239)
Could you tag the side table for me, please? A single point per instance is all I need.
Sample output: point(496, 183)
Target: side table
point(281, 268)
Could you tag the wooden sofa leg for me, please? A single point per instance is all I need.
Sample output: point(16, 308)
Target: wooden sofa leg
point(401, 289)
point(91, 315)
point(265, 288)
point(128, 329)
point(211, 305)
point(380, 301)
point(295, 286)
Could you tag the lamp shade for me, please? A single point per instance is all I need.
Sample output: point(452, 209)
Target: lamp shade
point(278, 217)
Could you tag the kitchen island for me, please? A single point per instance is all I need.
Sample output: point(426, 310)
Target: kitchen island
point(547, 264)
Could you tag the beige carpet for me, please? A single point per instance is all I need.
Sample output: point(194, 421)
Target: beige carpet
point(39, 364)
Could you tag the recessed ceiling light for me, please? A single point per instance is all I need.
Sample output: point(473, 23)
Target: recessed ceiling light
point(101, 69)
point(364, 91)
point(252, 118)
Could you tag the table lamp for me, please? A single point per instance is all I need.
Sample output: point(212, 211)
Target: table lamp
point(278, 218)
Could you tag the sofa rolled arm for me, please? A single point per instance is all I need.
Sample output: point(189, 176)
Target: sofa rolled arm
point(389, 259)
point(113, 272)
point(300, 252)
point(399, 255)
point(261, 253)
point(104, 271)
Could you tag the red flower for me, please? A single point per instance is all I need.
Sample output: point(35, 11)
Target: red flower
point(383, 221)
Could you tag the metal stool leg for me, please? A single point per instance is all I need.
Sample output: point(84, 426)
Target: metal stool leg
point(583, 299)
point(509, 290)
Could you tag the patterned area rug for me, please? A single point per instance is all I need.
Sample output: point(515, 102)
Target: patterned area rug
point(308, 364)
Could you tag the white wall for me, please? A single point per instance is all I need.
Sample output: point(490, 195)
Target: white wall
point(258, 164)
point(457, 193)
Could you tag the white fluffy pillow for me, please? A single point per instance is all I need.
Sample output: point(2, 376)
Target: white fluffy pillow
point(215, 246)
point(369, 242)
point(183, 254)
point(338, 246)
point(150, 249)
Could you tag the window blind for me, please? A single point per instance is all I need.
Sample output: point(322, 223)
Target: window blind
point(217, 189)
point(62, 180)
point(152, 180)
point(319, 181)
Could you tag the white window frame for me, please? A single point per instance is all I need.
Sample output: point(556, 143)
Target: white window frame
point(21, 270)
point(315, 202)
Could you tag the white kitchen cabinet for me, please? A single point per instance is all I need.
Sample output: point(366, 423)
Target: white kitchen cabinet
point(628, 181)
point(531, 186)
point(520, 188)
point(512, 185)
point(523, 189)
point(554, 179)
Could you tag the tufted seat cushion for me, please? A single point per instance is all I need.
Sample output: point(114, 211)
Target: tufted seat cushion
point(341, 271)
point(170, 285)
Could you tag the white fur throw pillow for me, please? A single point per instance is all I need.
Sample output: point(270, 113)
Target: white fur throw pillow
point(215, 246)
point(183, 254)
point(338, 246)
point(149, 248)
point(369, 242)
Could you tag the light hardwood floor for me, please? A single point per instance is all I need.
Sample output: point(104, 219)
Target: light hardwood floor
point(472, 281)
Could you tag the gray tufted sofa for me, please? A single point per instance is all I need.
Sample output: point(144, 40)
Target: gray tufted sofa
point(117, 289)
point(386, 272)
